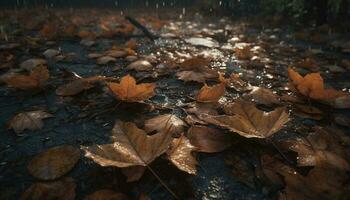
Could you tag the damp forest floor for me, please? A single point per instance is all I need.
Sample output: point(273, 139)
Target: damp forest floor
point(87, 118)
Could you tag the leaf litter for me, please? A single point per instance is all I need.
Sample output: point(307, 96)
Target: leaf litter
point(158, 109)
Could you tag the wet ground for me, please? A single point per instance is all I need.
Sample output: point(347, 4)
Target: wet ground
point(79, 121)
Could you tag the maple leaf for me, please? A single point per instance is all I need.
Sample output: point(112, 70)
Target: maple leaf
point(62, 189)
point(128, 90)
point(131, 147)
point(54, 163)
point(36, 79)
point(208, 140)
point(248, 121)
point(28, 120)
point(211, 94)
point(312, 86)
point(180, 155)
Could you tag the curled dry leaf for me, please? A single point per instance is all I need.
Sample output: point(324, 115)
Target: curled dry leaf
point(128, 90)
point(180, 154)
point(106, 195)
point(244, 53)
point(167, 122)
point(36, 79)
point(208, 140)
point(248, 121)
point(263, 96)
point(58, 190)
point(140, 65)
point(133, 173)
point(211, 94)
point(235, 82)
point(320, 182)
point(30, 64)
point(131, 147)
point(28, 120)
point(312, 86)
point(321, 148)
point(54, 163)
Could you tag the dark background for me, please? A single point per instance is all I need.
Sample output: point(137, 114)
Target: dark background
point(99, 3)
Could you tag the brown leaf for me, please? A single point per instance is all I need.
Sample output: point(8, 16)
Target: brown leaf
point(106, 195)
point(248, 121)
point(320, 182)
point(58, 190)
point(28, 120)
point(263, 96)
point(54, 163)
point(133, 173)
point(342, 120)
point(320, 148)
point(196, 69)
point(36, 79)
point(180, 154)
point(131, 147)
point(167, 122)
point(208, 140)
point(211, 94)
point(78, 85)
point(128, 90)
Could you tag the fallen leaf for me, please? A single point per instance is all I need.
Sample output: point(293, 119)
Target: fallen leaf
point(263, 96)
point(131, 147)
point(50, 53)
point(319, 148)
point(54, 163)
point(248, 121)
point(36, 79)
point(312, 86)
point(320, 182)
point(342, 120)
point(58, 190)
point(140, 65)
point(180, 154)
point(78, 85)
point(208, 140)
point(106, 195)
point(28, 120)
point(196, 69)
point(133, 173)
point(211, 94)
point(128, 90)
point(166, 122)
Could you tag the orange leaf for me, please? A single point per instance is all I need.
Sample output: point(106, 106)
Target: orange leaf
point(128, 90)
point(312, 86)
point(211, 94)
